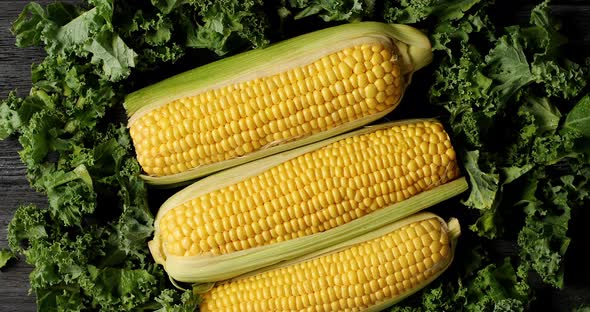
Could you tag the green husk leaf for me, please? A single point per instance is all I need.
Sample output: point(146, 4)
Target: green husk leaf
point(261, 60)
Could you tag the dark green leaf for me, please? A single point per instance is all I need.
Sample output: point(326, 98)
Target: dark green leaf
point(10, 121)
point(546, 115)
point(5, 256)
point(30, 26)
point(578, 119)
point(484, 186)
point(113, 54)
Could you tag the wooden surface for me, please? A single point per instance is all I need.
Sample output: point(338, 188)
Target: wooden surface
point(15, 73)
point(14, 189)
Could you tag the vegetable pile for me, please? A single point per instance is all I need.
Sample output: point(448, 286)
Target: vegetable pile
point(515, 106)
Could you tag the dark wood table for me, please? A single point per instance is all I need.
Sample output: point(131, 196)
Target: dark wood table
point(15, 72)
point(15, 67)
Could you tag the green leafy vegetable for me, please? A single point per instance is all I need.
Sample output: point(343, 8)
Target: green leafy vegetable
point(482, 94)
point(492, 288)
point(9, 116)
point(5, 256)
point(484, 186)
point(522, 144)
point(414, 11)
point(582, 309)
point(228, 23)
point(88, 248)
point(578, 119)
point(546, 226)
point(340, 10)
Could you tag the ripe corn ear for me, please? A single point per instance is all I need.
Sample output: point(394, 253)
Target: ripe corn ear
point(369, 273)
point(300, 201)
point(266, 101)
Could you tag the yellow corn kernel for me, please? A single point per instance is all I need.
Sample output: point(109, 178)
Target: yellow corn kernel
point(208, 114)
point(322, 189)
point(373, 273)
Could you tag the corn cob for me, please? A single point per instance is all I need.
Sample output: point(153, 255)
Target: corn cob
point(267, 101)
point(369, 273)
point(220, 223)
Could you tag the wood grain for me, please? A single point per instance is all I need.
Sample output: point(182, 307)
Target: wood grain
point(15, 73)
point(15, 67)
